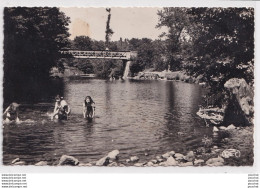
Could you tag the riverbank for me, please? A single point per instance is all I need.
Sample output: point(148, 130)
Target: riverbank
point(167, 75)
point(234, 148)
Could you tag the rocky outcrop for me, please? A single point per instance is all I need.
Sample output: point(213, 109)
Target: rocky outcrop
point(240, 107)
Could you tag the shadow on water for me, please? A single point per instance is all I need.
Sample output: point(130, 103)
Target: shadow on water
point(32, 91)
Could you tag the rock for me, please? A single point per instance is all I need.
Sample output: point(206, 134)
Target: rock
point(215, 129)
point(150, 163)
point(162, 164)
point(113, 155)
point(158, 157)
point(170, 162)
point(68, 160)
point(190, 156)
point(154, 161)
point(159, 160)
point(103, 161)
point(186, 164)
point(172, 153)
point(83, 164)
point(146, 154)
point(241, 95)
point(155, 165)
point(122, 165)
point(198, 161)
point(215, 147)
point(231, 127)
point(166, 155)
point(128, 160)
point(20, 163)
point(15, 160)
point(41, 163)
point(215, 162)
point(222, 128)
point(138, 164)
point(134, 159)
point(113, 164)
point(178, 156)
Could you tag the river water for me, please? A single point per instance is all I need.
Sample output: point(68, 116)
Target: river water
point(133, 116)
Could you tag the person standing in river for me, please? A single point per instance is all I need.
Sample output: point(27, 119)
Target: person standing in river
point(11, 113)
point(61, 109)
point(88, 108)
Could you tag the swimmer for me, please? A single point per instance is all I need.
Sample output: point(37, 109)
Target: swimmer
point(61, 109)
point(11, 113)
point(88, 108)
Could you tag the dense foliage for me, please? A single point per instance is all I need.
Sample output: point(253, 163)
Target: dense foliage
point(32, 40)
point(214, 43)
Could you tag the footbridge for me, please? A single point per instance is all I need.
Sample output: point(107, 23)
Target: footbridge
point(126, 56)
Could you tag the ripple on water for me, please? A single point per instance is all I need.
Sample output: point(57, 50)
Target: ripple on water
point(133, 117)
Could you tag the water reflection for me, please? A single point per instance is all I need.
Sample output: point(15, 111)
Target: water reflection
point(32, 91)
point(132, 116)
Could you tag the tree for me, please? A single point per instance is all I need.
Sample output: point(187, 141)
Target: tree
point(217, 43)
point(82, 43)
point(225, 48)
point(32, 40)
point(178, 23)
point(109, 31)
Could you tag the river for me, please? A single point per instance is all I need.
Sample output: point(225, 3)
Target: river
point(133, 116)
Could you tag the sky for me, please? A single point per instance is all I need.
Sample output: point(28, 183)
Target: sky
point(125, 22)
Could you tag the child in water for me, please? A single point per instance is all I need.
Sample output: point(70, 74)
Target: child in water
point(88, 108)
point(61, 109)
point(11, 113)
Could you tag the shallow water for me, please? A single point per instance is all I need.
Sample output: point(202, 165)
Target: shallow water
point(135, 117)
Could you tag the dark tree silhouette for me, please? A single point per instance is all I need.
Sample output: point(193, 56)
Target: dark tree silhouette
point(109, 31)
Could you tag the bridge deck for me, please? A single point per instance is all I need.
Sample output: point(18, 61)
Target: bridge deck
point(124, 55)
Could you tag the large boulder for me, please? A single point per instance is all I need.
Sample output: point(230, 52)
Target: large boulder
point(110, 157)
point(113, 155)
point(68, 160)
point(103, 161)
point(166, 155)
point(240, 108)
point(178, 156)
point(170, 162)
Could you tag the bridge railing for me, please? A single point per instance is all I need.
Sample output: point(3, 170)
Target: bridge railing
point(99, 54)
